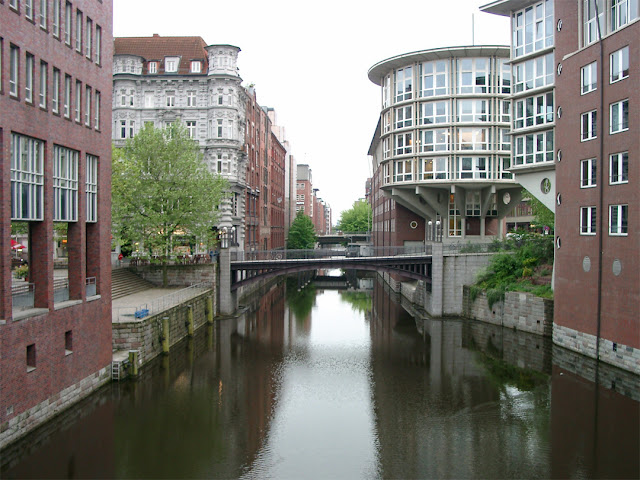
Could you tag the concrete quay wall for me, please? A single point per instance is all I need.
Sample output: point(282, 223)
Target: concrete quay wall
point(178, 275)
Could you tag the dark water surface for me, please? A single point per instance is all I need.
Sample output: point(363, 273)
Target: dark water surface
point(333, 384)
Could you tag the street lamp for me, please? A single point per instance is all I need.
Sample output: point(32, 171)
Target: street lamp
point(224, 238)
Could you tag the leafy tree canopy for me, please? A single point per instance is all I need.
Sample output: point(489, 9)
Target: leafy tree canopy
point(543, 216)
point(302, 233)
point(161, 188)
point(357, 219)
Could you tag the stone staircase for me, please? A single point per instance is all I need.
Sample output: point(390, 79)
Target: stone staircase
point(124, 282)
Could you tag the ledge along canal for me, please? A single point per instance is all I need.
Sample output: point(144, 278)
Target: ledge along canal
point(346, 384)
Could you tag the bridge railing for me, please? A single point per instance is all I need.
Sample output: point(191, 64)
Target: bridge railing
point(359, 251)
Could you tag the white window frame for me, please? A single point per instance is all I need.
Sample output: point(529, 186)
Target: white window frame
point(619, 168)
point(470, 75)
point(386, 147)
point(403, 170)
point(67, 96)
point(588, 173)
point(65, 184)
point(403, 82)
point(386, 122)
point(435, 168)
point(55, 94)
point(196, 66)
point(473, 167)
point(588, 220)
point(98, 45)
point(622, 12)
point(78, 102)
point(533, 148)
point(28, 9)
point(386, 91)
point(44, 13)
point(534, 73)
point(619, 116)
point(532, 28)
point(403, 143)
point(28, 78)
point(473, 203)
point(191, 98)
point(170, 100)
point(126, 128)
point(435, 140)
point(434, 112)
point(87, 105)
point(171, 64)
point(88, 42)
point(588, 125)
point(191, 128)
point(619, 65)
point(474, 138)
point(434, 78)
point(68, 14)
point(589, 78)
point(152, 67)
point(590, 22)
point(618, 220)
point(403, 117)
point(27, 178)
point(97, 110)
point(14, 70)
point(473, 110)
point(43, 85)
point(505, 79)
point(79, 25)
point(91, 188)
point(56, 18)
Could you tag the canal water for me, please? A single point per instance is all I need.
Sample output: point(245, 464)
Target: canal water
point(334, 384)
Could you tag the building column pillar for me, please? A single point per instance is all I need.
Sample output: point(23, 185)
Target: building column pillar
point(437, 278)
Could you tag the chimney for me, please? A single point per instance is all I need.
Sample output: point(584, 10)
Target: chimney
point(155, 35)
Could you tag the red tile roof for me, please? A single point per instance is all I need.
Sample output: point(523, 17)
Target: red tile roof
point(156, 48)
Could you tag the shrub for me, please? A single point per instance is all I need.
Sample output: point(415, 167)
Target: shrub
point(22, 271)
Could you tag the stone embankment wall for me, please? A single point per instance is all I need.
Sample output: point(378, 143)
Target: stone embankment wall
point(146, 334)
point(522, 311)
point(179, 275)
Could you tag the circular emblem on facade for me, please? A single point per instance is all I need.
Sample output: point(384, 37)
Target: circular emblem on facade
point(558, 199)
point(559, 69)
point(586, 264)
point(616, 267)
point(558, 242)
point(506, 198)
point(559, 25)
point(545, 185)
point(413, 224)
point(559, 155)
point(559, 112)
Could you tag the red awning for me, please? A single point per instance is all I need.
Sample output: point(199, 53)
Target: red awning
point(17, 246)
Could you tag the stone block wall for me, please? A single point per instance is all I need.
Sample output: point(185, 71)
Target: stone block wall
point(622, 356)
point(522, 311)
point(178, 275)
point(459, 270)
point(146, 334)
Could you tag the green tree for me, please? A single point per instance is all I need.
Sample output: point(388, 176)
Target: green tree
point(162, 188)
point(357, 219)
point(542, 215)
point(302, 234)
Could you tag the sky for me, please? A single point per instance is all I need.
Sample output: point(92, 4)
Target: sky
point(309, 61)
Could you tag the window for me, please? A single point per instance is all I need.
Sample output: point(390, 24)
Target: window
point(455, 221)
point(435, 140)
point(404, 84)
point(504, 76)
point(28, 80)
point(56, 18)
point(89, 37)
point(589, 76)
point(619, 65)
point(171, 98)
point(504, 111)
point(68, 342)
point(149, 100)
point(434, 112)
point(27, 178)
point(55, 94)
point(219, 128)
point(196, 66)
point(435, 168)
point(191, 128)
point(152, 67)
point(13, 4)
point(44, 11)
point(229, 132)
point(618, 219)
point(67, 23)
point(43, 85)
point(534, 73)
point(593, 17)
point(619, 116)
point(404, 117)
point(473, 111)
point(92, 188)
point(587, 220)
point(28, 9)
point(65, 184)
point(67, 96)
point(404, 144)
point(87, 106)
point(532, 111)
point(386, 91)
point(127, 128)
point(588, 125)
point(31, 357)
point(472, 204)
point(619, 168)
point(504, 142)
point(97, 111)
point(434, 78)
point(403, 171)
point(78, 101)
point(386, 122)
point(588, 173)
point(14, 67)
point(386, 147)
point(472, 167)
point(474, 139)
point(533, 148)
point(1, 63)
point(98, 53)
point(171, 64)
point(622, 12)
point(532, 28)
point(473, 75)
point(191, 98)
point(78, 31)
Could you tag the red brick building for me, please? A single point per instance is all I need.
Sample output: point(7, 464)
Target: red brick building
point(597, 285)
point(55, 156)
point(276, 193)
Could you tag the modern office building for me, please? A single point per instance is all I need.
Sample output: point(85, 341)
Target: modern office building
point(441, 151)
point(581, 59)
point(161, 80)
point(55, 154)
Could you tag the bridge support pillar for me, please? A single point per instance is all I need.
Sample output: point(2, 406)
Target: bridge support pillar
point(437, 276)
point(228, 299)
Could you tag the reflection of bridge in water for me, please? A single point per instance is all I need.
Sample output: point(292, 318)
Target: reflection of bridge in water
point(411, 262)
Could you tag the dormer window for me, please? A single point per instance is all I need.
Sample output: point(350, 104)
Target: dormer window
point(171, 64)
point(153, 67)
point(196, 66)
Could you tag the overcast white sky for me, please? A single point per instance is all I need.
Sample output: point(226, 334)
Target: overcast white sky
point(309, 61)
